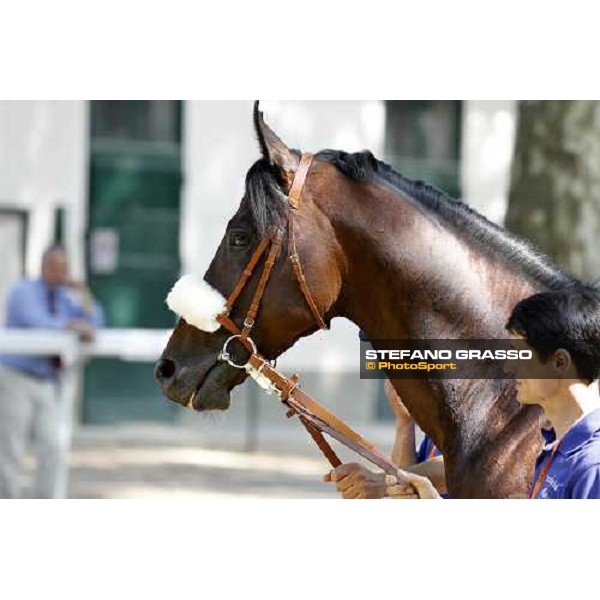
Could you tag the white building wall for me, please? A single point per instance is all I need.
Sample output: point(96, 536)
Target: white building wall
point(43, 165)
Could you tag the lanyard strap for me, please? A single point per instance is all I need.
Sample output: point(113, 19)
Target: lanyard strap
point(542, 476)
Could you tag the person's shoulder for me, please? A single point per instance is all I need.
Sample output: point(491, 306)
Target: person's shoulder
point(584, 481)
point(586, 461)
point(24, 286)
point(589, 453)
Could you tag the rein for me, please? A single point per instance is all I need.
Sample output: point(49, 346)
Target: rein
point(315, 417)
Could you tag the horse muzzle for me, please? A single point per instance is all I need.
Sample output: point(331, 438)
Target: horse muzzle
point(203, 387)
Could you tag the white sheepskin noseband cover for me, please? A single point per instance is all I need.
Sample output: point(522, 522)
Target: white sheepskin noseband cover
point(197, 302)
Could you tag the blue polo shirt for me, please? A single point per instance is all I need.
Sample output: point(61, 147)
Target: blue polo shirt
point(575, 467)
point(28, 307)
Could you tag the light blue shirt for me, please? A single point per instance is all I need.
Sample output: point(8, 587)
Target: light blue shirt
point(28, 307)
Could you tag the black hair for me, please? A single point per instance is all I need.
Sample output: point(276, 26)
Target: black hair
point(568, 319)
point(268, 204)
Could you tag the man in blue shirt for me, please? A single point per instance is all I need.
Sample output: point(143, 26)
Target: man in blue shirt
point(562, 328)
point(29, 403)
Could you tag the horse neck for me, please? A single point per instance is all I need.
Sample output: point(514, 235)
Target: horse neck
point(409, 275)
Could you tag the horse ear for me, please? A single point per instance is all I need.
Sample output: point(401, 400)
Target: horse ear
point(273, 149)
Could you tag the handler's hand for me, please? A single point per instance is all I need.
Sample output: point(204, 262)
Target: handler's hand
point(83, 329)
point(422, 485)
point(353, 481)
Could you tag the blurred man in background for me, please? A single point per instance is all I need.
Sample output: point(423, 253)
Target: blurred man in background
point(30, 407)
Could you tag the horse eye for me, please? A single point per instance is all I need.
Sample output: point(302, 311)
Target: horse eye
point(238, 239)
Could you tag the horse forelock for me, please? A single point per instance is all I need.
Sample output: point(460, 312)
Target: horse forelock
point(266, 201)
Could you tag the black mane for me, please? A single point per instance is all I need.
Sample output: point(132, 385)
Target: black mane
point(364, 167)
point(268, 205)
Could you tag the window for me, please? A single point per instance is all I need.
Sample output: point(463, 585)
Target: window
point(422, 141)
point(136, 120)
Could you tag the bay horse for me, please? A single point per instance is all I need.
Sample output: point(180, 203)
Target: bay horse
point(401, 260)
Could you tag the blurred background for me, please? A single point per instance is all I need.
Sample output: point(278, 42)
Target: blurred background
point(140, 191)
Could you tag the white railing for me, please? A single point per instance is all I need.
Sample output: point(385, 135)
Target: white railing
point(142, 345)
point(126, 344)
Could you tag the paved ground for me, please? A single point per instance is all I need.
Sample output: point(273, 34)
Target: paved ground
point(157, 472)
point(141, 461)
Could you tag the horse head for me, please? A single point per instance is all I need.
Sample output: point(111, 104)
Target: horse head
point(191, 370)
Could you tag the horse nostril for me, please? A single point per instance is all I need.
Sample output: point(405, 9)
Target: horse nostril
point(164, 369)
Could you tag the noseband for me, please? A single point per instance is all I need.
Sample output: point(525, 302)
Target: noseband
point(272, 240)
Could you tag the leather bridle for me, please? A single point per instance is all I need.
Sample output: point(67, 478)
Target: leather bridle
point(315, 417)
point(272, 240)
